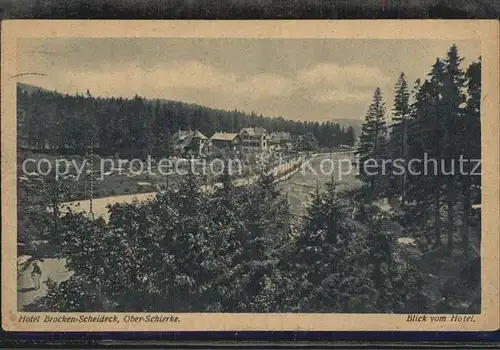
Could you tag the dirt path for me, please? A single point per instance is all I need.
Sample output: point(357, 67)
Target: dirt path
point(51, 268)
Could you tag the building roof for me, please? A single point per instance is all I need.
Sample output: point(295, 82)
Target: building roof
point(198, 134)
point(254, 131)
point(181, 139)
point(281, 136)
point(181, 135)
point(224, 136)
point(260, 131)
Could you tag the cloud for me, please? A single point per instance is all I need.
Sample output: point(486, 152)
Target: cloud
point(330, 74)
point(265, 85)
point(329, 83)
point(197, 81)
point(186, 75)
point(336, 95)
point(194, 75)
point(167, 80)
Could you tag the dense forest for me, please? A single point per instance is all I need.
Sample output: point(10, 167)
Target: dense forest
point(140, 127)
point(229, 251)
point(240, 249)
point(439, 119)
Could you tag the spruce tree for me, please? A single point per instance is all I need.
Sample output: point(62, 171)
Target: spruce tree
point(262, 228)
point(452, 100)
point(427, 133)
point(399, 132)
point(470, 146)
point(372, 147)
point(380, 260)
point(351, 136)
point(321, 271)
point(197, 246)
point(227, 208)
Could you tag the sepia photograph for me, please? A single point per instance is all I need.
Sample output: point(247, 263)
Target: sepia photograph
point(155, 176)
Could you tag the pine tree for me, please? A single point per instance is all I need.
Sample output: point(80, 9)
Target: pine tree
point(266, 216)
point(471, 147)
point(228, 213)
point(399, 132)
point(39, 209)
point(452, 98)
point(373, 144)
point(350, 137)
point(380, 258)
point(321, 270)
point(199, 245)
point(425, 144)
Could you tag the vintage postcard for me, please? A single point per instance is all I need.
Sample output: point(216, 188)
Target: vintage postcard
point(250, 175)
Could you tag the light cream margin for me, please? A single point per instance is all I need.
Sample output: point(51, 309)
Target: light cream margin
point(486, 31)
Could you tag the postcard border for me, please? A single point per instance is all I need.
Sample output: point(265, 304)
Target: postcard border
point(485, 30)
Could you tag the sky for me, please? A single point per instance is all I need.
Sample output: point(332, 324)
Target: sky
point(299, 79)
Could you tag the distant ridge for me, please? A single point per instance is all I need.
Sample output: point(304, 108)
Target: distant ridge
point(355, 123)
point(30, 89)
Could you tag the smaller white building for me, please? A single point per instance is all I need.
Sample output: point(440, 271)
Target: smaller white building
point(254, 139)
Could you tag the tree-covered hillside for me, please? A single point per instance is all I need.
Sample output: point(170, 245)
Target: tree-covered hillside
point(139, 127)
